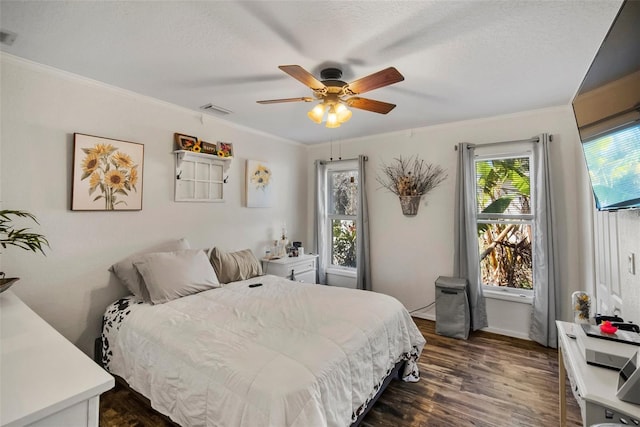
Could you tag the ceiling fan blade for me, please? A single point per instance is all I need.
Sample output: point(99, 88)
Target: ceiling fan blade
point(302, 75)
point(370, 105)
point(276, 101)
point(382, 78)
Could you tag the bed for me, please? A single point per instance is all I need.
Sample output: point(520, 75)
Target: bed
point(279, 354)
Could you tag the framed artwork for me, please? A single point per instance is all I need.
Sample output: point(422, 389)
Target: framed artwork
point(259, 184)
point(208, 148)
point(188, 143)
point(107, 174)
point(225, 149)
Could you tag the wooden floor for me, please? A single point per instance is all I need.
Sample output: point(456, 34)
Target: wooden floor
point(488, 380)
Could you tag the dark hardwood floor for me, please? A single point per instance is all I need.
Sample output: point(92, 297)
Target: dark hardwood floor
point(489, 380)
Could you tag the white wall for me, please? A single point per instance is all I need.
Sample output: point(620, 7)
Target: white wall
point(409, 253)
point(70, 287)
point(629, 242)
point(42, 108)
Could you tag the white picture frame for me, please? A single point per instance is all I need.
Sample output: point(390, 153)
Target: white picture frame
point(259, 184)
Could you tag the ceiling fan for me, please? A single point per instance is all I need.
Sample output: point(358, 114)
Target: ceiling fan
point(336, 95)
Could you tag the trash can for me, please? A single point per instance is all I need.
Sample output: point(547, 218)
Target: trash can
point(452, 307)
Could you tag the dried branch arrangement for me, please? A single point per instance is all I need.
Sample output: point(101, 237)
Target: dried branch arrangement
point(410, 177)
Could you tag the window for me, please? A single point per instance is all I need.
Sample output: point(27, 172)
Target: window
point(342, 208)
point(505, 221)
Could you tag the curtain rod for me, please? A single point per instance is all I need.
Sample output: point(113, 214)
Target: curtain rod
point(534, 139)
point(366, 158)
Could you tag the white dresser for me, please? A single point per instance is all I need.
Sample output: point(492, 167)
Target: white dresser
point(301, 269)
point(44, 379)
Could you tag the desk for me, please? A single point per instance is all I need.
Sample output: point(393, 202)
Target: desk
point(593, 387)
point(44, 379)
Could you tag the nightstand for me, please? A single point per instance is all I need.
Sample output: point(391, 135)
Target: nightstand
point(301, 269)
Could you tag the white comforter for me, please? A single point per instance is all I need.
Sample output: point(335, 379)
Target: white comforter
point(282, 354)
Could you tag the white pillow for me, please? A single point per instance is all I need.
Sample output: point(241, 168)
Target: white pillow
point(126, 272)
point(171, 275)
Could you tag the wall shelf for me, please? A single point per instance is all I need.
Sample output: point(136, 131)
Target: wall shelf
point(200, 177)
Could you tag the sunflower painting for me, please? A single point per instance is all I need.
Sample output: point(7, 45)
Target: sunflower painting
point(107, 174)
point(259, 184)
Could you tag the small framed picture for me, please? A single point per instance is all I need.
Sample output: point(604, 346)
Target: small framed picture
point(208, 148)
point(188, 143)
point(259, 184)
point(225, 149)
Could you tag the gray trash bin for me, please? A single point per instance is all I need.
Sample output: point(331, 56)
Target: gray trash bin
point(452, 307)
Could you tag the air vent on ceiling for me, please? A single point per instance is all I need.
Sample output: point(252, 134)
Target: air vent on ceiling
point(215, 109)
point(7, 37)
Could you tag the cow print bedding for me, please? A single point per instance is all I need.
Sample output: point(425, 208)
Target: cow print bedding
point(111, 321)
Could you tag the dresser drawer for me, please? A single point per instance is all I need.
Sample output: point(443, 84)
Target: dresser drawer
point(296, 265)
point(308, 277)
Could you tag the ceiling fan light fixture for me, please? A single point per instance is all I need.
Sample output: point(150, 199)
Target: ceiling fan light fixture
point(332, 118)
point(344, 114)
point(331, 92)
point(316, 113)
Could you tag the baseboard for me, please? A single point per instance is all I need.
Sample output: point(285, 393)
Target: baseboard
point(506, 332)
point(430, 314)
point(425, 316)
point(427, 313)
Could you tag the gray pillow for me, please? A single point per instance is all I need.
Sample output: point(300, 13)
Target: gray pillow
point(171, 275)
point(234, 266)
point(128, 275)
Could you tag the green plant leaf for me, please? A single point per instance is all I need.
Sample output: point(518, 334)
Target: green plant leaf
point(21, 237)
point(498, 206)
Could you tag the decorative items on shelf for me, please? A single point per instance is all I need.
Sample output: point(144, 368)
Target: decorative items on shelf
point(283, 247)
point(410, 179)
point(296, 249)
point(283, 244)
point(224, 149)
point(581, 302)
point(195, 144)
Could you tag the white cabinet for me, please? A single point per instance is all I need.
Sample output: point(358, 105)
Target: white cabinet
point(300, 269)
point(200, 177)
point(44, 379)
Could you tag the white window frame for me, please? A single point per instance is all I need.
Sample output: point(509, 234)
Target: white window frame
point(492, 291)
point(341, 166)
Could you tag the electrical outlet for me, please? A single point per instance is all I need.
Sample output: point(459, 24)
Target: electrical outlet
point(631, 263)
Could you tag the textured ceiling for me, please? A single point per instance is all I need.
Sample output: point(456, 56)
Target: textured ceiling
point(460, 59)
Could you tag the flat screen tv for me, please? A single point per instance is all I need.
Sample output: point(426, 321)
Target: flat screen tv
point(607, 111)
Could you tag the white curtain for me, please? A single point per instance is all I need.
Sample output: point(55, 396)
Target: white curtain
point(362, 229)
point(320, 218)
point(466, 257)
point(545, 297)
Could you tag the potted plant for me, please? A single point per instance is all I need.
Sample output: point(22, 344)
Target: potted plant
point(410, 179)
point(20, 237)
